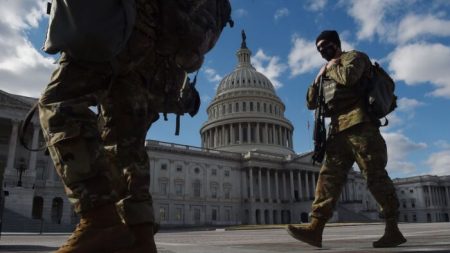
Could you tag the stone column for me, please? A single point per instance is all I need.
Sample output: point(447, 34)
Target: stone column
point(346, 197)
point(308, 195)
point(225, 134)
point(447, 197)
point(240, 133)
point(211, 138)
point(261, 197)
point(291, 174)
point(300, 190)
point(257, 140)
point(279, 140)
point(270, 216)
point(269, 193)
point(313, 178)
point(51, 170)
point(245, 193)
point(232, 133)
point(284, 185)
point(249, 133)
point(273, 135)
point(217, 136)
point(208, 138)
point(252, 198)
point(277, 191)
point(12, 147)
point(153, 177)
point(266, 134)
point(34, 144)
point(430, 196)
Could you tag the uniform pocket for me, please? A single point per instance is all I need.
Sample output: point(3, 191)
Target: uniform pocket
point(72, 155)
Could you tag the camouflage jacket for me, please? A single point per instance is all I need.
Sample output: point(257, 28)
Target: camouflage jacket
point(347, 74)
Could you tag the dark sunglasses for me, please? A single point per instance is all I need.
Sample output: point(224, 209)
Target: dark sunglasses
point(324, 46)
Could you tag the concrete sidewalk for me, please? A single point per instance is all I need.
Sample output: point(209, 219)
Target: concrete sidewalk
point(422, 237)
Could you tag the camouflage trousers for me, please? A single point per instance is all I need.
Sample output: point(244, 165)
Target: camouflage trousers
point(364, 144)
point(100, 156)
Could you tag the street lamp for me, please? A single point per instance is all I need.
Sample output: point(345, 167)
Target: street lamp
point(21, 168)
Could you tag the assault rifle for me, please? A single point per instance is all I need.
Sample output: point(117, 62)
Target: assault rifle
point(320, 133)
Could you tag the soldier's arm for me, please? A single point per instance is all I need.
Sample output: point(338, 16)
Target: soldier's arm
point(349, 70)
point(311, 97)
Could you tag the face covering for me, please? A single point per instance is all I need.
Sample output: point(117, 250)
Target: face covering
point(328, 53)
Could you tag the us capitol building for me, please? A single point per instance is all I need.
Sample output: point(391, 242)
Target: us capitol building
point(245, 172)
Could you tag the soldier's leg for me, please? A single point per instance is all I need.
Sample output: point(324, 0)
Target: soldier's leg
point(127, 119)
point(332, 177)
point(371, 156)
point(74, 143)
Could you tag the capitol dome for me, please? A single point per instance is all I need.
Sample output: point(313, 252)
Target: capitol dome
point(246, 113)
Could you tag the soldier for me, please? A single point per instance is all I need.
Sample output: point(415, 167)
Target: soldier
point(353, 136)
point(101, 157)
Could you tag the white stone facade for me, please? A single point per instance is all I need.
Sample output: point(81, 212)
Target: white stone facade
point(424, 198)
point(29, 178)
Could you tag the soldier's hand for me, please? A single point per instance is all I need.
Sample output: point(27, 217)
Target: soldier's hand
point(321, 73)
point(333, 62)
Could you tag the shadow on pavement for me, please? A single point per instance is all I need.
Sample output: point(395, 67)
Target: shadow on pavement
point(26, 248)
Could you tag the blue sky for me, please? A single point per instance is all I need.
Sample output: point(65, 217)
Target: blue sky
point(411, 40)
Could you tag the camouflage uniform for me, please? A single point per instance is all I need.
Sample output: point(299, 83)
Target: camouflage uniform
point(101, 159)
point(353, 136)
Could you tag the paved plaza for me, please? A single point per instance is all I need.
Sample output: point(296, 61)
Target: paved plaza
point(422, 237)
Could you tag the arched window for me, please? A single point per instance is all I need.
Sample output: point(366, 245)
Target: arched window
point(57, 210)
point(38, 206)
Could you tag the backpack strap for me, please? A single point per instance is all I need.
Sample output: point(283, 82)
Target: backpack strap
point(23, 128)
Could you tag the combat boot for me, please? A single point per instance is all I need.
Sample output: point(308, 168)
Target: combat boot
point(145, 241)
point(100, 230)
point(392, 236)
point(311, 234)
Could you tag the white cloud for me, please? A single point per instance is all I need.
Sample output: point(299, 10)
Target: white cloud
point(369, 16)
point(398, 21)
point(23, 69)
point(442, 144)
point(439, 163)
point(399, 147)
point(272, 69)
point(408, 104)
point(212, 76)
point(282, 12)
point(414, 26)
point(421, 63)
point(316, 5)
point(241, 13)
point(304, 58)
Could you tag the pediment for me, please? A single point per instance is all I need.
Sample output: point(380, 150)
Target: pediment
point(303, 158)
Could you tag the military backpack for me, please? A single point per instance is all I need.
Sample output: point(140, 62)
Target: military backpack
point(380, 88)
